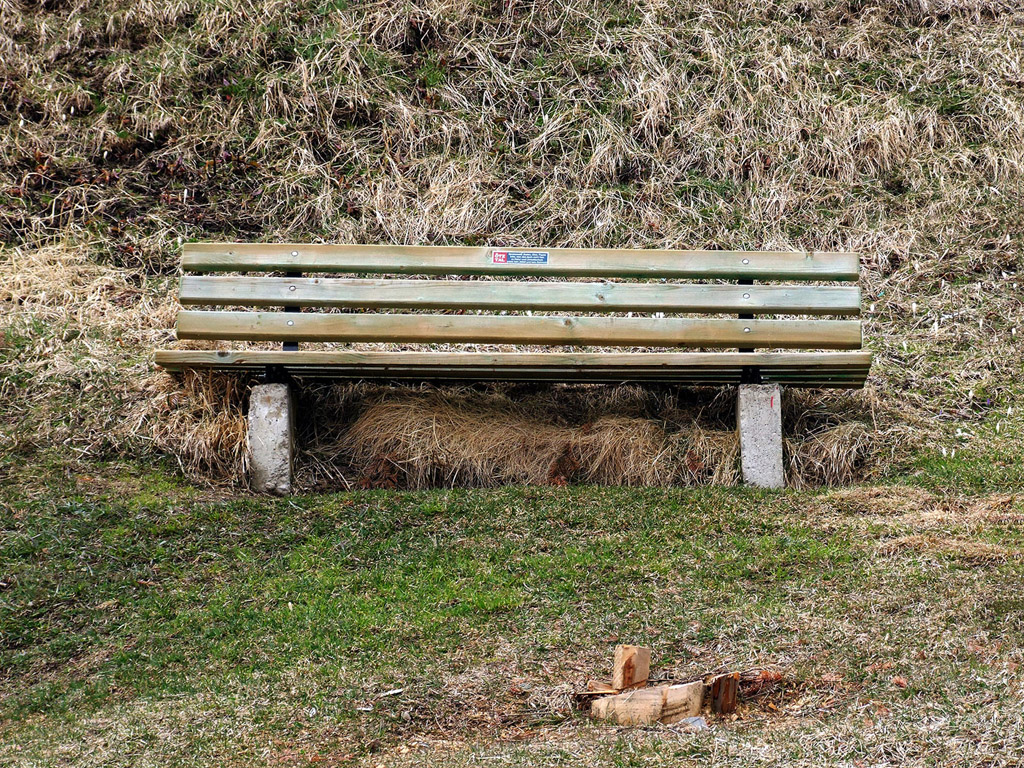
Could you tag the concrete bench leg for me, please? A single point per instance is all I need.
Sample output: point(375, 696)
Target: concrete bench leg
point(271, 438)
point(759, 423)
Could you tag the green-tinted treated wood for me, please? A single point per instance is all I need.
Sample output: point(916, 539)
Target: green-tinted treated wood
point(833, 369)
point(491, 329)
point(777, 360)
point(560, 262)
point(792, 369)
point(504, 295)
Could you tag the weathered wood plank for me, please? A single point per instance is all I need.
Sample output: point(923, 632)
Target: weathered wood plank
point(546, 330)
point(795, 361)
point(795, 369)
point(504, 295)
point(558, 262)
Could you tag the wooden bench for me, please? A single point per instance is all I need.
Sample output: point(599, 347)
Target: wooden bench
point(770, 302)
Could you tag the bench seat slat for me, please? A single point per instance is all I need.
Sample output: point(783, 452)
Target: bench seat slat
point(504, 295)
point(832, 369)
point(555, 262)
point(523, 330)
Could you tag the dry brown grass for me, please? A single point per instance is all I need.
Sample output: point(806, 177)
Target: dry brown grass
point(419, 438)
point(423, 440)
point(948, 546)
point(893, 129)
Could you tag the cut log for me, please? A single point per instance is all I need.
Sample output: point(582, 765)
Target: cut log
point(682, 701)
point(667, 704)
point(632, 666)
point(723, 690)
point(641, 707)
point(600, 686)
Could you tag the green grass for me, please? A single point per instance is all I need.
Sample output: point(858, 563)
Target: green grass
point(231, 620)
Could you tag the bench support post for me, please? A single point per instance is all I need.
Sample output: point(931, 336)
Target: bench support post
point(271, 438)
point(759, 424)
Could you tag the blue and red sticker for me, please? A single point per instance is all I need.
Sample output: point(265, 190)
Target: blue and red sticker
point(519, 257)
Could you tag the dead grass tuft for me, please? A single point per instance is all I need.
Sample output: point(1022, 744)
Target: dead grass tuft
point(832, 456)
point(424, 437)
point(77, 373)
point(435, 438)
point(949, 546)
point(998, 508)
point(200, 421)
point(880, 501)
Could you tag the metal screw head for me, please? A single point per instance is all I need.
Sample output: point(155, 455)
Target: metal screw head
point(295, 253)
point(291, 287)
point(292, 322)
point(745, 261)
point(745, 295)
point(746, 330)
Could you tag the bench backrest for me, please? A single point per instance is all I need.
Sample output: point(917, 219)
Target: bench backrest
point(461, 311)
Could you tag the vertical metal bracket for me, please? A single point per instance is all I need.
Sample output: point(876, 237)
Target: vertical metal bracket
point(751, 374)
point(291, 346)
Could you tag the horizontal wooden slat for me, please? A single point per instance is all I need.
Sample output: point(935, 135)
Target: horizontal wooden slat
point(505, 295)
point(558, 262)
point(831, 369)
point(492, 329)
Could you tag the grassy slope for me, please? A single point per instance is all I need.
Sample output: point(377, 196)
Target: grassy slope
point(145, 622)
point(895, 129)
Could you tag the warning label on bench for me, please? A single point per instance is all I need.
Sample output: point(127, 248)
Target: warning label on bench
point(519, 257)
